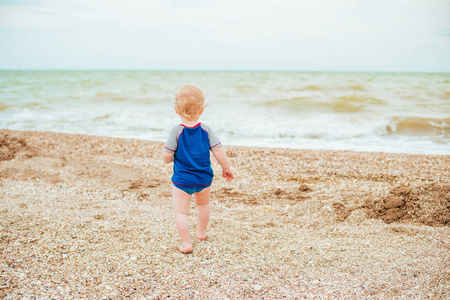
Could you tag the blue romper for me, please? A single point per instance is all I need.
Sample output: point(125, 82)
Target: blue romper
point(192, 170)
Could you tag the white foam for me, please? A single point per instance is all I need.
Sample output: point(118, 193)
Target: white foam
point(140, 105)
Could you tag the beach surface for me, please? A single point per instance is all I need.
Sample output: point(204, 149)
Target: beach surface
point(91, 217)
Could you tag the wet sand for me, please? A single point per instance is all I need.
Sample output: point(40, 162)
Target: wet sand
point(91, 217)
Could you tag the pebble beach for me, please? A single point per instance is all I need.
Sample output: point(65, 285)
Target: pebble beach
point(90, 217)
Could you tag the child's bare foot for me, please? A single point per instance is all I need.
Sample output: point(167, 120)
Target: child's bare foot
point(185, 249)
point(201, 236)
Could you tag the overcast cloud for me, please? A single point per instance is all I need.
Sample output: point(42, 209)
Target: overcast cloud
point(322, 35)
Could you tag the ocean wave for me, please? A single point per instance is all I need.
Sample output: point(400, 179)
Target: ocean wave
point(102, 96)
point(362, 99)
point(135, 97)
point(293, 102)
point(4, 106)
point(88, 83)
point(313, 87)
point(103, 117)
point(333, 127)
point(343, 104)
point(356, 87)
point(355, 103)
point(33, 105)
point(419, 126)
point(309, 88)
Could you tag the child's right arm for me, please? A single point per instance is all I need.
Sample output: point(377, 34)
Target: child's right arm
point(167, 157)
point(221, 157)
point(171, 144)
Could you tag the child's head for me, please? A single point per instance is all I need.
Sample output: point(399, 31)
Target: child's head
point(189, 102)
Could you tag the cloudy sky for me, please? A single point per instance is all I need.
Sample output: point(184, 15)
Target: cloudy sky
point(319, 35)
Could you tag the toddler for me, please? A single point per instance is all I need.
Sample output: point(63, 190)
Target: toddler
point(188, 147)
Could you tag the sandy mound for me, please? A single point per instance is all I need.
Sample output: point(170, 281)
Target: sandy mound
point(429, 205)
point(11, 146)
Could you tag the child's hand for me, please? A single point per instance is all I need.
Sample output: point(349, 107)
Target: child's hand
point(228, 175)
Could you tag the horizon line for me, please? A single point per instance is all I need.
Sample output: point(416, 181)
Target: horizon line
point(215, 70)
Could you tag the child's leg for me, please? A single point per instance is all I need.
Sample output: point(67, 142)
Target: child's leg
point(202, 201)
point(181, 203)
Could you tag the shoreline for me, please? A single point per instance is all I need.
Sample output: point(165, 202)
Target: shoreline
point(226, 145)
point(91, 216)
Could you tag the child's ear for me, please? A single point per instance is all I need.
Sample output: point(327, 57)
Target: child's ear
point(201, 111)
point(176, 110)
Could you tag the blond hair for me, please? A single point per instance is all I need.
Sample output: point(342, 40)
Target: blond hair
point(189, 101)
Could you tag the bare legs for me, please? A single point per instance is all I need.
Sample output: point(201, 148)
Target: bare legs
point(181, 201)
point(202, 201)
point(181, 204)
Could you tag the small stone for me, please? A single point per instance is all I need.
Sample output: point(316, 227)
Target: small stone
point(257, 287)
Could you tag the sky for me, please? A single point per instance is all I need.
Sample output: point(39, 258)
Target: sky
point(319, 35)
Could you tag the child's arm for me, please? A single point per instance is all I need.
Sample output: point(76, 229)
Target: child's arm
point(167, 157)
point(221, 157)
point(171, 144)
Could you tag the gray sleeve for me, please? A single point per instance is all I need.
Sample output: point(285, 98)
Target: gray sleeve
point(172, 142)
point(214, 142)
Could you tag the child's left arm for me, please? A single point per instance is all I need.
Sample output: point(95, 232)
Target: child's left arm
point(223, 161)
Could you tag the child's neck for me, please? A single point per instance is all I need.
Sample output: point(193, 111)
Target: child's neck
point(189, 123)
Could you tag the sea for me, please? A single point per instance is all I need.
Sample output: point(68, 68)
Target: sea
point(376, 112)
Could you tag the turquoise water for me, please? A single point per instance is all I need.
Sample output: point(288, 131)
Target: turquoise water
point(405, 113)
